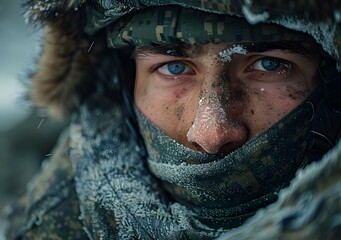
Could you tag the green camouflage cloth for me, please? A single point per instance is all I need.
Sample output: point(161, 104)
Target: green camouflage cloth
point(225, 190)
point(50, 207)
point(105, 12)
point(319, 20)
point(176, 25)
point(307, 210)
point(117, 197)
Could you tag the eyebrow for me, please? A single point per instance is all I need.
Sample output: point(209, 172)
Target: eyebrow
point(301, 48)
point(195, 50)
point(176, 50)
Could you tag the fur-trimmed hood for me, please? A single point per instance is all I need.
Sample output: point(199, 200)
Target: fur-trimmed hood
point(75, 43)
point(67, 66)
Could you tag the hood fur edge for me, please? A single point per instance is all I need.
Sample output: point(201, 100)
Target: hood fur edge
point(69, 60)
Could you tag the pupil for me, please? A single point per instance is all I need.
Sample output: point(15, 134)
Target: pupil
point(270, 64)
point(176, 68)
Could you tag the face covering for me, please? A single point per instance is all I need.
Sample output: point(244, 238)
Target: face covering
point(224, 190)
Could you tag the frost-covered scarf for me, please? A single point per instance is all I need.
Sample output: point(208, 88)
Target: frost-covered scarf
point(121, 198)
point(227, 189)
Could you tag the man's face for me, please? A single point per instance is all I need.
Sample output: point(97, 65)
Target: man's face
point(215, 97)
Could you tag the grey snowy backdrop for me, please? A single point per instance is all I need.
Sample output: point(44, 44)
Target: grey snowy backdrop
point(26, 135)
point(19, 44)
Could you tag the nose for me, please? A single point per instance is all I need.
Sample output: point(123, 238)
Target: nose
point(212, 130)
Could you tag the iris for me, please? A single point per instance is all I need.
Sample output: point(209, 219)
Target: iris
point(271, 64)
point(176, 68)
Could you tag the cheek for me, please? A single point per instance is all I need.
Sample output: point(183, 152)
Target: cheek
point(298, 94)
point(152, 105)
point(269, 104)
point(168, 110)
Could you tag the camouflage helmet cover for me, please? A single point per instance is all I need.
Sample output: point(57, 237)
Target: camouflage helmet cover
point(321, 20)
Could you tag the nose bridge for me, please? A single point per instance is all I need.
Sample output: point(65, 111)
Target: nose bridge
point(211, 109)
point(209, 123)
point(210, 115)
point(213, 129)
point(215, 90)
point(216, 76)
point(213, 100)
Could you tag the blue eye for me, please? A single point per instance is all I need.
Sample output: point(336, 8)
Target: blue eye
point(271, 64)
point(175, 68)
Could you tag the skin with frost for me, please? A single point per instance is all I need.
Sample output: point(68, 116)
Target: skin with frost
point(212, 105)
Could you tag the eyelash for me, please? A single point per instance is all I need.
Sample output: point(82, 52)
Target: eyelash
point(283, 72)
point(161, 65)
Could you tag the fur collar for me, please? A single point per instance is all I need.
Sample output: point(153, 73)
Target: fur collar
point(69, 61)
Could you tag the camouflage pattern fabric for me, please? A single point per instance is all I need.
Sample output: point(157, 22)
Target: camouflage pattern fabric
point(320, 21)
point(119, 197)
point(112, 202)
point(176, 25)
point(104, 12)
point(308, 209)
point(226, 190)
point(50, 207)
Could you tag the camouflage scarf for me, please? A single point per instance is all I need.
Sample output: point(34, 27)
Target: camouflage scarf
point(224, 191)
point(121, 199)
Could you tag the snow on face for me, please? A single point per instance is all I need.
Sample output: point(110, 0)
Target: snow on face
point(210, 117)
point(226, 54)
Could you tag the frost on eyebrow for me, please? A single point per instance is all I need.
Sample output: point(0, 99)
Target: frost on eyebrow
point(226, 54)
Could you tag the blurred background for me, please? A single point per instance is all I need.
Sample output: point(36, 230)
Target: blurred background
point(26, 134)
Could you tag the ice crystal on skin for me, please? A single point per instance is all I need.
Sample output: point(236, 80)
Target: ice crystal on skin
point(226, 54)
point(210, 117)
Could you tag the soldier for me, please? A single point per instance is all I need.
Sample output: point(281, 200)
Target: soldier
point(188, 117)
